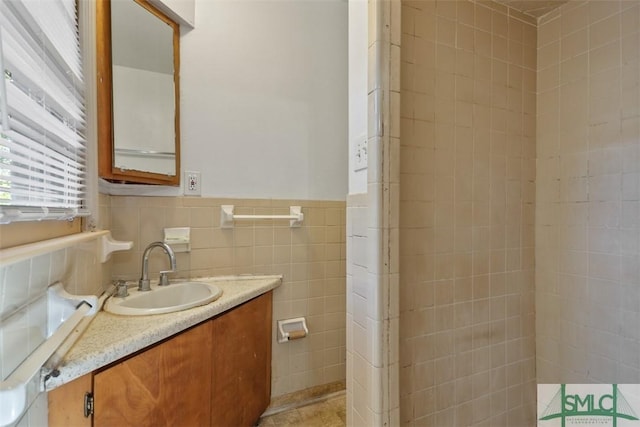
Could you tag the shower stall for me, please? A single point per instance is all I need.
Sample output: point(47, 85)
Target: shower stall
point(502, 238)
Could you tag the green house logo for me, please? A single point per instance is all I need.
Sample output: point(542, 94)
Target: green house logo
point(588, 404)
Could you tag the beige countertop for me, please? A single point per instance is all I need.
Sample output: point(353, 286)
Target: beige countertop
point(110, 337)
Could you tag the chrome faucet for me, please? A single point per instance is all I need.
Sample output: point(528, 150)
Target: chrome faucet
point(144, 284)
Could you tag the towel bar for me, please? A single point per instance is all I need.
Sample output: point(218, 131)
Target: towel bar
point(19, 389)
point(227, 217)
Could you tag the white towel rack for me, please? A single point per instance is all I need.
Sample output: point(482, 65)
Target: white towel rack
point(19, 390)
point(227, 217)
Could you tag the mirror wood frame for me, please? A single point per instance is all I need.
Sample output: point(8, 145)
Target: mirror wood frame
point(106, 167)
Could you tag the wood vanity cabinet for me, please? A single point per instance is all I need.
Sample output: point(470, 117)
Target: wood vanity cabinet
point(217, 373)
point(242, 364)
point(164, 385)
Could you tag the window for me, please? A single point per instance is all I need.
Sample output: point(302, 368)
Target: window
point(42, 143)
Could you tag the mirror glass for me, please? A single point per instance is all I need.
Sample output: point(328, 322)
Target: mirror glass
point(143, 92)
point(142, 108)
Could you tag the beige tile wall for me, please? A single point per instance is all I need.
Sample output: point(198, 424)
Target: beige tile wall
point(588, 194)
point(311, 259)
point(467, 163)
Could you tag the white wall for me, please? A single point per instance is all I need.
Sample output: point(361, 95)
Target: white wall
point(358, 46)
point(264, 98)
point(359, 372)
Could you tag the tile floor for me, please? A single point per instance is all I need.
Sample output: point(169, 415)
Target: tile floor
point(330, 412)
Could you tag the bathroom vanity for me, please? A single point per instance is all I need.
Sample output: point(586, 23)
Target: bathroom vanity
point(215, 372)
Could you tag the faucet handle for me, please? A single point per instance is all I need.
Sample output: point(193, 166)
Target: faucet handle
point(122, 290)
point(164, 278)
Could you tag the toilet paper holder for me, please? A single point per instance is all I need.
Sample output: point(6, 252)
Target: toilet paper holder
point(292, 329)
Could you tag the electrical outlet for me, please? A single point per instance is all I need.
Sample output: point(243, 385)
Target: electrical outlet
point(360, 155)
point(192, 183)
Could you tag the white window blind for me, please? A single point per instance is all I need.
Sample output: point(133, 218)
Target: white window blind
point(42, 143)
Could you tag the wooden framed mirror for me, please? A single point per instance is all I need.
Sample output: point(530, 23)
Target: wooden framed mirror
point(138, 63)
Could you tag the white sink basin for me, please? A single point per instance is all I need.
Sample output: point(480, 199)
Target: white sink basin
point(164, 299)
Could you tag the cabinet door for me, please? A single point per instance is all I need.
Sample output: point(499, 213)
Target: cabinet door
point(242, 363)
point(66, 403)
point(166, 385)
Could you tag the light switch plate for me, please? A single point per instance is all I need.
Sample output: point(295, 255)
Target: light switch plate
point(360, 155)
